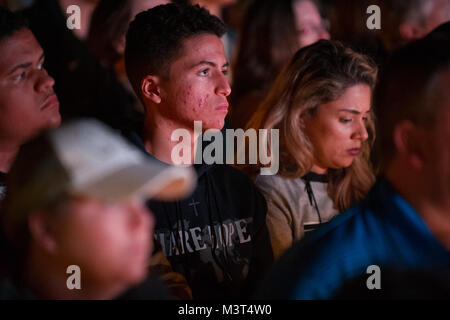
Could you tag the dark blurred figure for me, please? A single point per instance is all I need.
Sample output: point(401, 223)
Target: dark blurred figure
point(404, 222)
point(348, 20)
point(407, 20)
point(107, 33)
point(15, 5)
point(271, 33)
point(84, 87)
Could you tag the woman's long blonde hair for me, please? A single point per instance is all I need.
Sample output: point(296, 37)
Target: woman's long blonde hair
point(316, 75)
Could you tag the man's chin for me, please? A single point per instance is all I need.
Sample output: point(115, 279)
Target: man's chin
point(214, 125)
point(54, 121)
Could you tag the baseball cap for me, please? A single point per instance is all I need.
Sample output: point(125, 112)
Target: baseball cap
point(101, 163)
point(87, 158)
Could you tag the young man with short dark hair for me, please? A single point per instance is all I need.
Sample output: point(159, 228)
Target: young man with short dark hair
point(28, 103)
point(218, 237)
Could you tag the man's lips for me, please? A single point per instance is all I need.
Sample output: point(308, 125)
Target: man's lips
point(50, 101)
point(223, 107)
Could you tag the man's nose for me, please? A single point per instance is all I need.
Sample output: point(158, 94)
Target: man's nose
point(223, 86)
point(44, 81)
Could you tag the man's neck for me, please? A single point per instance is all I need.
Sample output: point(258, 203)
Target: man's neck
point(157, 137)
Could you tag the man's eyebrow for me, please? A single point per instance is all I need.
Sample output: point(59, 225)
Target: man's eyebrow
point(209, 63)
point(353, 111)
point(24, 65)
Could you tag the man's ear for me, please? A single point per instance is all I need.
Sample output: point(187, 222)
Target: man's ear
point(41, 231)
point(409, 141)
point(151, 88)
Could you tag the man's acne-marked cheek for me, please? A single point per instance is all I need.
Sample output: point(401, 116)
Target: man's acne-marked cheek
point(201, 103)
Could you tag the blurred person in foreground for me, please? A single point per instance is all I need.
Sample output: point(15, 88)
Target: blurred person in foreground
point(76, 198)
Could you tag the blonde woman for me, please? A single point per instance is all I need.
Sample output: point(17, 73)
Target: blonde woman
point(321, 104)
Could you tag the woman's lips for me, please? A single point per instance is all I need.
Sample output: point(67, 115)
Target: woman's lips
point(353, 152)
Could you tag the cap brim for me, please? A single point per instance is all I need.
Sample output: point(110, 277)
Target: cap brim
point(149, 179)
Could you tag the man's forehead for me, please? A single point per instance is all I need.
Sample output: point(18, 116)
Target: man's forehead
point(20, 46)
point(203, 47)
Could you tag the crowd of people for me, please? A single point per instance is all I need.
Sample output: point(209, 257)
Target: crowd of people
point(88, 123)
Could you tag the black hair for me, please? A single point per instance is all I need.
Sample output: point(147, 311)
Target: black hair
point(155, 37)
point(10, 22)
